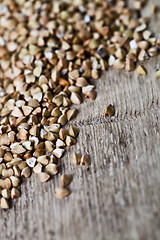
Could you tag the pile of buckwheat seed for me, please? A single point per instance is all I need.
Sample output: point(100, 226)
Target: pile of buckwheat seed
point(49, 52)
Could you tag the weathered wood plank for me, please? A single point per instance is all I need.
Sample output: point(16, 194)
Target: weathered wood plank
point(117, 197)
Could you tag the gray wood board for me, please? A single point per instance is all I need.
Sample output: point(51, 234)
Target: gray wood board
point(118, 196)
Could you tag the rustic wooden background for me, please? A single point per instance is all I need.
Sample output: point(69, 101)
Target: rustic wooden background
point(118, 196)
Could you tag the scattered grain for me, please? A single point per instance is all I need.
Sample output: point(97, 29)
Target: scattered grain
point(157, 74)
point(65, 180)
point(109, 111)
point(141, 70)
point(44, 177)
point(61, 192)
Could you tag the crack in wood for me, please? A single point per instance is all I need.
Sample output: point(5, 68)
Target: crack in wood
point(123, 117)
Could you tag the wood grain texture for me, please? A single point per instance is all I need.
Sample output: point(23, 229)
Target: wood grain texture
point(118, 196)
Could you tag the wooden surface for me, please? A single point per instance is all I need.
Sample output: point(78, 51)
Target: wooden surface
point(118, 196)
